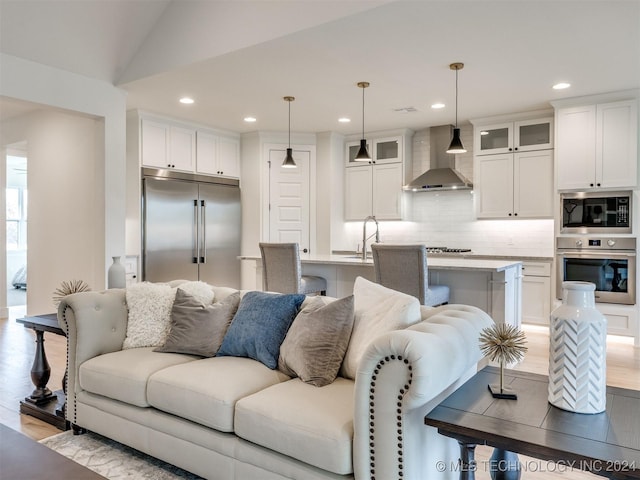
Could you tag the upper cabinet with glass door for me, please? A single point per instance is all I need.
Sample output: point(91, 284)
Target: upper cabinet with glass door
point(385, 150)
point(520, 136)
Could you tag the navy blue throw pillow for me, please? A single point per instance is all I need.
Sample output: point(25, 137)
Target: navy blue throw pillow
point(260, 325)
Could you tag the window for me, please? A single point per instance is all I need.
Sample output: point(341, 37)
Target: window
point(16, 218)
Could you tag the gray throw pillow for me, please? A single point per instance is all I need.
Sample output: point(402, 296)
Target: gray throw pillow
point(198, 329)
point(317, 341)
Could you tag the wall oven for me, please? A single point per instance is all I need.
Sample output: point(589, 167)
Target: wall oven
point(600, 213)
point(608, 262)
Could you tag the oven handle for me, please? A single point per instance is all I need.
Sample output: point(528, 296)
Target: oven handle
point(595, 255)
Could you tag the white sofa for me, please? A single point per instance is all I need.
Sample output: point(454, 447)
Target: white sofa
point(234, 418)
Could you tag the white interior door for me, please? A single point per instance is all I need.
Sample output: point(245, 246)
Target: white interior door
point(289, 205)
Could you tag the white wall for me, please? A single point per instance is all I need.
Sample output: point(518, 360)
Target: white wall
point(329, 187)
point(65, 229)
point(50, 87)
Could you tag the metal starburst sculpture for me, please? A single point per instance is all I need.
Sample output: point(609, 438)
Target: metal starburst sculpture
point(505, 344)
point(67, 288)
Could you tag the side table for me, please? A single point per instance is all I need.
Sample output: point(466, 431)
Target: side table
point(44, 404)
point(606, 444)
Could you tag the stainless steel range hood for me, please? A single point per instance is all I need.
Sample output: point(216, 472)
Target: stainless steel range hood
point(442, 175)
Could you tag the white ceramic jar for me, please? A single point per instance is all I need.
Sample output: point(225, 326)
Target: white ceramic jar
point(117, 275)
point(577, 351)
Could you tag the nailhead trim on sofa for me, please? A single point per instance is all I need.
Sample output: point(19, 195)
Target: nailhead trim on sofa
point(402, 392)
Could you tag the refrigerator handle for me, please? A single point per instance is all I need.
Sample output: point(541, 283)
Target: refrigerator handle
point(203, 227)
point(196, 233)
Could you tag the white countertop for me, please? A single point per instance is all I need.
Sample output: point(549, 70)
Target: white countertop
point(436, 263)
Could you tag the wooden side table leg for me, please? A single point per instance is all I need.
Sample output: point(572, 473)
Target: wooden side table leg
point(40, 373)
point(467, 462)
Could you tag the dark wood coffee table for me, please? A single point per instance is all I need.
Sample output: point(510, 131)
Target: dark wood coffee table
point(607, 444)
point(23, 458)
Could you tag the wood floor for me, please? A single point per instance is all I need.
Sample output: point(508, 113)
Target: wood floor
point(17, 346)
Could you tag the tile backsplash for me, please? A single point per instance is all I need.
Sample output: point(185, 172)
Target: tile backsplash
point(448, 219)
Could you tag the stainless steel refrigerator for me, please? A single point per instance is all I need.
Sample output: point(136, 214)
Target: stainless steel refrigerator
point(191, 228)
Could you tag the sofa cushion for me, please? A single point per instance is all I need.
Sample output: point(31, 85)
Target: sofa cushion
point(197, 328)
point(377, 310)
point(206, 391)
point(123, 375)
point(149, 315)
point(260, 325)
point(314, 425)
point(317, 341)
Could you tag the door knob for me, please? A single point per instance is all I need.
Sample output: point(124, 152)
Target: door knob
point(304, 250)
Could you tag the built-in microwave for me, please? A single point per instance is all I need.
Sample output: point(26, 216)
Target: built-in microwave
point(596, 212)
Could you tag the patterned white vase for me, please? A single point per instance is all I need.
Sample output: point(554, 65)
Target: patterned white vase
point(577, 351)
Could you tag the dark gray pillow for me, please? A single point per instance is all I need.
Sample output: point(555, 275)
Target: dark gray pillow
point(198, 329)
point(317, 341)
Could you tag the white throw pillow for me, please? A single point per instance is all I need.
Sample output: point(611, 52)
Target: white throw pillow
point(377, 310)
point(149, 317)
point(201, 291)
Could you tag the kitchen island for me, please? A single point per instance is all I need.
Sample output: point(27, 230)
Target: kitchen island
point(495, 286)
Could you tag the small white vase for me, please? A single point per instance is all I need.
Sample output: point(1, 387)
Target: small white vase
point(577, 351)
point(116, 276)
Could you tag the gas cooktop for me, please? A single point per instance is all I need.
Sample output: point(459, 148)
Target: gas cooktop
point(447, 250)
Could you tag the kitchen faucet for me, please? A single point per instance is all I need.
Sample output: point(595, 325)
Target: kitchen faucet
point(364, 235)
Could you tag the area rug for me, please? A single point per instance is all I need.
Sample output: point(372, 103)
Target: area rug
point(113, 460)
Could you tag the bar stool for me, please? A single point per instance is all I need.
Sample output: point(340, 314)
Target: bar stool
point(282, 271)
point(404, 268)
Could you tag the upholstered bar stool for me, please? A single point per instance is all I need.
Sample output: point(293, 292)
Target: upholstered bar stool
point(282, 271)
point(404, 268)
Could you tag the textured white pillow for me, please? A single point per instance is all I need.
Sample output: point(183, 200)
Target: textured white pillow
point(149, 317)
point(201, 291)
point(377, 310)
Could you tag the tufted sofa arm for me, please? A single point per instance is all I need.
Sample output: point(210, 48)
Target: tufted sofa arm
point(402, 376)
point(94, 323)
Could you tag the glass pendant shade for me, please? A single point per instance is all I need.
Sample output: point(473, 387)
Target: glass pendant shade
point(456, 144)
point(363, 153)
point(288, 160)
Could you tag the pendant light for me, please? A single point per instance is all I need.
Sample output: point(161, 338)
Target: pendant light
point(363, 153)
point(456, 144)
point(288, 160)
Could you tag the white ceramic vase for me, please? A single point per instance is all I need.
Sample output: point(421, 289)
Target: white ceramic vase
point(577, 351)
point(116, 276)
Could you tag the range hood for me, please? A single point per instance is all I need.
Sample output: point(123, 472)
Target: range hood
point(442, 175)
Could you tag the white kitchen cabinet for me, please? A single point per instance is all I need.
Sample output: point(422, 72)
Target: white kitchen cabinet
point(168, 146)
point(536, 292)
point(374, 190)
point(519, 136)
point(385, 150)
point(358, 188)
point(375, 187)
point(596, 146)
point(217, 155)
point(514, 185)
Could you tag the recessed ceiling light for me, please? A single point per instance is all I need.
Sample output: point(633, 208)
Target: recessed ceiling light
point(344, 120)
point(561, 86)
point(186, 100)
point(436, 106)
point(250, 119)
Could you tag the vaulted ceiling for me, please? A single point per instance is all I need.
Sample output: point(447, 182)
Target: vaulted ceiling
point(239, 58)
